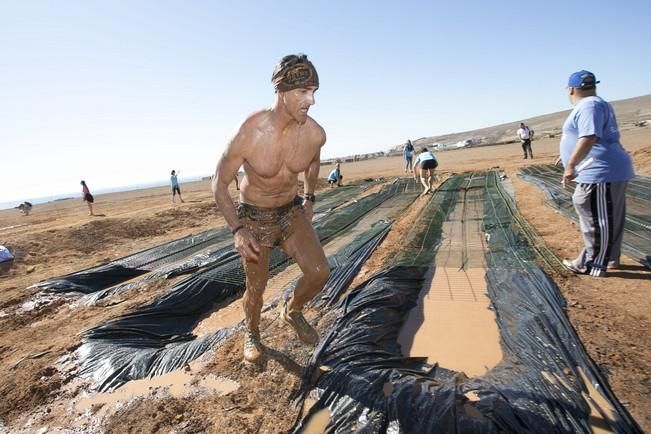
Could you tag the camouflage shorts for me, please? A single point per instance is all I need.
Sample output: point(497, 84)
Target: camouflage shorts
point(270, 226)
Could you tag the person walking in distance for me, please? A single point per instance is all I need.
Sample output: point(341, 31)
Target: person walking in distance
point(408, 155)
point(524, 134)
point(174, 182)
point(274, 146)
point(87, 197)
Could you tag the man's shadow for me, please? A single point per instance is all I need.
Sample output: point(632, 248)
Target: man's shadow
point(285, 361)
point(634, 272)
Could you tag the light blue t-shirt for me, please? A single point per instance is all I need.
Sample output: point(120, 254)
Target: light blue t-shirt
point(334, 175)
point(610, 162)
point(173, 180)
point(424, 156)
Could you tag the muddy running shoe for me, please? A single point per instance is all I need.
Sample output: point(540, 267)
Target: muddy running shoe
point(303, 329)
point(252, 352)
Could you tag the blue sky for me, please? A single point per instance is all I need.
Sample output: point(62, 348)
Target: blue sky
point(122, 92)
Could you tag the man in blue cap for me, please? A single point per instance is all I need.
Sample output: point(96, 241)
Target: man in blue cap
point(595, 159)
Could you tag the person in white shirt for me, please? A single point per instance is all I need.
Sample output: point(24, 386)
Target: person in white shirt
point(425, 163)
point(524, 134)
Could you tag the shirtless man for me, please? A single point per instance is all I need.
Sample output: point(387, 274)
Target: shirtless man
point(275, 145)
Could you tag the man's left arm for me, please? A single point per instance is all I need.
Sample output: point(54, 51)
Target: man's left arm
point(311, 175)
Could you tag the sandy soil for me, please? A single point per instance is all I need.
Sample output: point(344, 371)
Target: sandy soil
point(612, 316)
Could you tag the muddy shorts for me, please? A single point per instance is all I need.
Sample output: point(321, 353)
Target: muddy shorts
point(270, 226)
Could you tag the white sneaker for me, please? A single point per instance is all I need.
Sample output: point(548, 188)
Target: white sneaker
point(573, 268)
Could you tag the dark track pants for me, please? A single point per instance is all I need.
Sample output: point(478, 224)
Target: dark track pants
point(602, 211)
point(526, 147)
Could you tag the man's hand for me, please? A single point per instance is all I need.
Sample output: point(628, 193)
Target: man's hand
point(247, 245)
point(307, 206)
point(568, 175)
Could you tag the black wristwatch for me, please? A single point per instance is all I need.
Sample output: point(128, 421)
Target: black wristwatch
point(310, 197)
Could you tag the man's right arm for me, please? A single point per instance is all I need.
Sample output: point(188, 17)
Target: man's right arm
point(226, 171)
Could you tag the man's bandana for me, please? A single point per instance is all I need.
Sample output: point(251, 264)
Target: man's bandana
point(295, 76)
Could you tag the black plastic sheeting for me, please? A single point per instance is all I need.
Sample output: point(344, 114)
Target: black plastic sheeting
point(214, 256)
point(157, 338)
point(333, 198)
point(368, 386)
point(175, 258)
point(165, 255)
point(637, 228)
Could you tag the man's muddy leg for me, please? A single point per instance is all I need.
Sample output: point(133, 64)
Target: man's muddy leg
point(257, 276)
point(256, 282)
point(304, 246)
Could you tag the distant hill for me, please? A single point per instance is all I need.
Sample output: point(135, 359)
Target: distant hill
point(629, 112)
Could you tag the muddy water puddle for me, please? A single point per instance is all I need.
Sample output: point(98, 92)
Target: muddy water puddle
point(452, 324)
point(183, 382)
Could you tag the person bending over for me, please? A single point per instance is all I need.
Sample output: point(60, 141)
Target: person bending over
point(425, 165)
point(335, 177)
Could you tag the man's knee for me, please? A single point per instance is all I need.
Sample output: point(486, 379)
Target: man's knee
point(581, 201)
point(318, 274)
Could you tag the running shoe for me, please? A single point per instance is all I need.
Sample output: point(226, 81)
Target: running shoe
point(303, 329)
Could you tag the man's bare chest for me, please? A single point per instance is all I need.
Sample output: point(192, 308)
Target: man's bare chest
point(268, 159)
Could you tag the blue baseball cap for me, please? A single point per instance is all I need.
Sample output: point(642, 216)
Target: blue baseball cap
point(582, 79)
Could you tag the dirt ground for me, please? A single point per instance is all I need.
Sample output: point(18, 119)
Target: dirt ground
point(40, 391)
